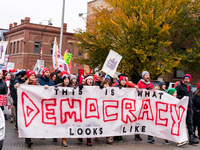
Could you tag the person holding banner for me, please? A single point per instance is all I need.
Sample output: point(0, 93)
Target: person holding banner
point(3, 90)
point(145, 83)
point(58, 77)
point(122, 84)
point(30, 81)
point(73, 81)
point(184, 89)
point(99, 79)
point(65, 83)
point(88, 82)
point(18, 81)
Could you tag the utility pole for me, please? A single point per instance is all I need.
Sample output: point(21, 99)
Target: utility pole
point(61, 32)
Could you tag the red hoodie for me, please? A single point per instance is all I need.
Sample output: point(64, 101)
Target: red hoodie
point(143, 85)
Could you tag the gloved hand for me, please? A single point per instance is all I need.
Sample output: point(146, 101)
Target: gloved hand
point(120, 87)
point(17, 85)
point(148, 88)
point(55, 86)
point(46, 86)
point(80, 86)
point(101, 87)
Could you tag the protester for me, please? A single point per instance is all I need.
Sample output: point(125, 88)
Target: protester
point(19, 80)
point(122, 84)
point(3, 87)
point(196, 109)
point(65, 83)
point(173, 92)
point(145, 83)
point(88, 82)
point(162, 86)
point(73, 81)
point(58, 77)
point(46, 82)
point(31, 80)
point(184, 89)
point(53, 76)
point(99, 79)
point(7, 76)
point(114, 81)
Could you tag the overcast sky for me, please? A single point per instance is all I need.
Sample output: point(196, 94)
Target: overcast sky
point(38, 10)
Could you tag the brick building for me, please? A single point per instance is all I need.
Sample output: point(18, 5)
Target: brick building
point(24, 45)
point(170, 77)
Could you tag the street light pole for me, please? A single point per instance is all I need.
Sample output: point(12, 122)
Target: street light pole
point(61, 32)
point(42, 32)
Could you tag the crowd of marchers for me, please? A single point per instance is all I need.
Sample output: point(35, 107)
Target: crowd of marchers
point(12, 79)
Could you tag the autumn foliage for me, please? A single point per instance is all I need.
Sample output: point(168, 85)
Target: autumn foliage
point(149, 34)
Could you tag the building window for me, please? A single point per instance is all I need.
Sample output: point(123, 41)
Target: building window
point(71, 48)
point(179, 74)
point(51, 52)
point(10, 48)
point(37, 47)
point(17, 46)
point(80, 52)
point(14, 48)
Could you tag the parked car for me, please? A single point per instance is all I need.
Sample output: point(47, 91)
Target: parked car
point(2, 128)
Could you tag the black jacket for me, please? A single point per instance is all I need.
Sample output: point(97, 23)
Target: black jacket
point(196, 106)
point(43, 81)
point(3, 89)
point(58, 80)
point(14, 91)
point(97, 83)
point(182, 91)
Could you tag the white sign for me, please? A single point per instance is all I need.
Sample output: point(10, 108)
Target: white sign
point(10, 66)
point(3, 46)
point(112, 61)
point(7, 108)
point(39, 66)
point(94, 112)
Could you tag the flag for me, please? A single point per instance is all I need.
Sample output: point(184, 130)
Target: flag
point(112, 61)
point(58, 61)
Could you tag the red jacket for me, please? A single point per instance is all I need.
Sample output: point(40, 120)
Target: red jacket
point(143, 85)
point(128, 84)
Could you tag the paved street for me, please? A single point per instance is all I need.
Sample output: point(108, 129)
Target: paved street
point(12, 142)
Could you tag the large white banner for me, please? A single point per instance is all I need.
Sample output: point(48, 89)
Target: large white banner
point(112, 61)
point(94, 112)
point(3, 46)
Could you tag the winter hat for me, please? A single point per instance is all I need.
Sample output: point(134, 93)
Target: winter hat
point(64, 74)
point(198, 86)
point(144, 73)
point(23, 73)
point(171, 91)
point(58, 71)
point(89, 77)
point(187, 75)
point(100, 74)
point(28, 73)
point(122, 78)
point(161, 84)
point(45, 70)
point(73, 77)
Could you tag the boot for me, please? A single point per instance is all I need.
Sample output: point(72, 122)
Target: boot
point(192, 140)
point(5, 116)
point(108, 140)
point(89, 143)
point(80, 139)
point(55, 140)
point(64, 143)
point(29, 142)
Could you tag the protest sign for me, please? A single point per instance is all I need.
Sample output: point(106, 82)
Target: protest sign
point(59, 112)
point(3, 100)
point(3, 46)
point(112, 61)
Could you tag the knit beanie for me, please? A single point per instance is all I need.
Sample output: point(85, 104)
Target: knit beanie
point(73, 77)
point(144, 73)
point(171, 91)
point(64, 74)
point(198, 86)
point(45, 70)
point(122, 78)
point(161, 84)
point(30, 73)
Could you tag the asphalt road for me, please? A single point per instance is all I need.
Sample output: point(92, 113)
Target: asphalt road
point(12, 142)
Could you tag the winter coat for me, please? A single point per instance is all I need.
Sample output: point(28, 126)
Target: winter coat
point(195, 107)
point(43, 81)
point(128, 84)
point(14, 91)
point(3, 87)
point(58, 80)
point(142, 85)
point(97, 82)
point(183, 90)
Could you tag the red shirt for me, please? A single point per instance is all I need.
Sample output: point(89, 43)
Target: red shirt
point(143, 85)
